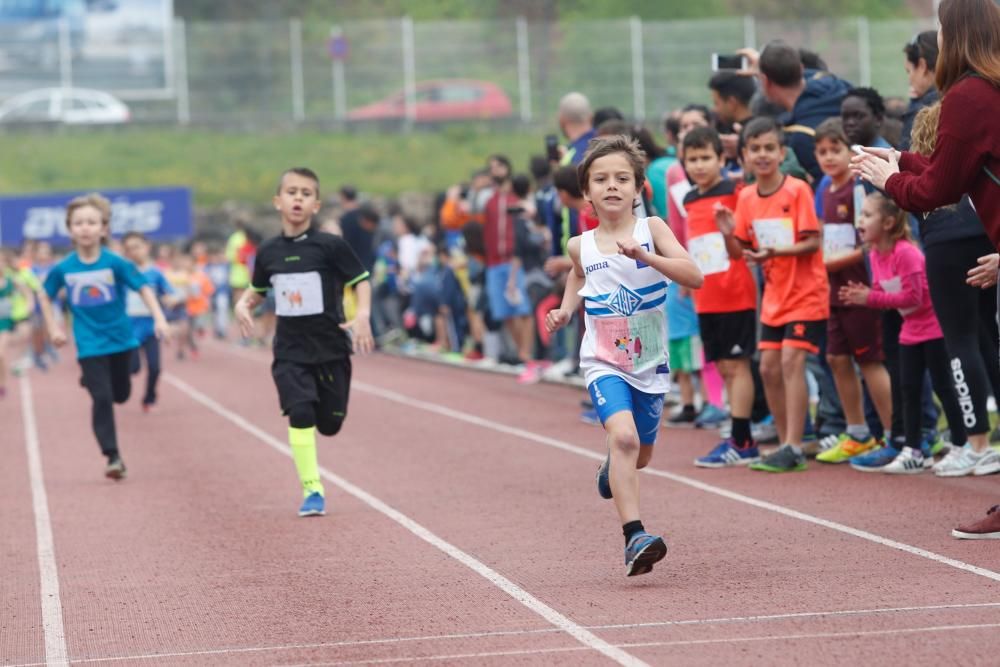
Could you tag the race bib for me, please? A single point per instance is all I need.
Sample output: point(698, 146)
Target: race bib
point(87, 289)
point(774, 232)
point(838, 239)
point(633, 344)
point(135, 306)
point(709, 253)
point(895, 286)
point(298, 294)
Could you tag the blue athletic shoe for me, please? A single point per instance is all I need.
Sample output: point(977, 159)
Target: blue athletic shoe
point(710, 417)
point(603, 483)
point(590, 417)
point(726, 453)
point(313, 505)
point(642, 552)
point(874, 460)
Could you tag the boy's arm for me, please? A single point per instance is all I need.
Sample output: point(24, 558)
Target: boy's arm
point(56, 333)
point(243, 310)
point(810, 243)
point(843, 261)
point(726, 222)
point(360, 326)
point(559, 317)
point(669, 258)
point(160, 325)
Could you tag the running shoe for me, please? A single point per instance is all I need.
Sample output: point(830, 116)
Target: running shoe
point(313, 505)
point(874, 460)
point(726, 454)
point(959, 462)
point(643, 551)
point(785, 459)
point(764, 431)
point(984, 529)
point(988, 464)
point(710, 417)
point(936, 443)
point(603, 483)
point(909, 462)
point(590, 417)
point(115, 469)
point(846, 448)
point(683, 417)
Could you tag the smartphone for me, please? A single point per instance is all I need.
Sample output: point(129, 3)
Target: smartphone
point(728, 61)
point(552, 147)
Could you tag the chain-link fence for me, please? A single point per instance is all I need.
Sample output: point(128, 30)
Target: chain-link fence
point(278, 73)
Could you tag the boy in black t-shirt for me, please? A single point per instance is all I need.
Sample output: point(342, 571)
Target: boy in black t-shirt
point(308, 270)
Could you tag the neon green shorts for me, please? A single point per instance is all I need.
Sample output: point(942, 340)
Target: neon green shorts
point(685, 354)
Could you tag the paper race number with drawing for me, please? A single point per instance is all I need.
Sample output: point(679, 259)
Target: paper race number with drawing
point(838, 239)
point(774, 232)
point(709, 253)
point(298, 294)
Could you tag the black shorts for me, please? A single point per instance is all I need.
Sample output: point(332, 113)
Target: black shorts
point(728, 335)
point(804, 334)
point(326, 385)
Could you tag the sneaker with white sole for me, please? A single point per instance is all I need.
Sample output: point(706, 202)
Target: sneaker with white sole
point(909, 462)
point(959, 462)
point(989, 464)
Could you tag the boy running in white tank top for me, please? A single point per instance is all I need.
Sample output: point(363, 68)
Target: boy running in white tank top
point(620, 273)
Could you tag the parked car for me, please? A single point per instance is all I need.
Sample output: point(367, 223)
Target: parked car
point(445, 99)
point(73, 106)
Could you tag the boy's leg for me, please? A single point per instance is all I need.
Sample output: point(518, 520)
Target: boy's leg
point(299, 396)
point(880, 390)
point(623, 441)
point(334, 386)
point(793, 375)
point(739, 386)
point(97, 381)
point(772, 376)
point(848, 387)
point(151, 347)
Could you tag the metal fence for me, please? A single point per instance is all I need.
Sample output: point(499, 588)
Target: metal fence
point(260, 73)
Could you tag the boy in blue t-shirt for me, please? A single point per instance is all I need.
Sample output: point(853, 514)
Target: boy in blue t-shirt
point(95, 281)
point(136, 248)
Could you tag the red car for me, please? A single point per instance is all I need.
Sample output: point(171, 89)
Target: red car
point(444, 99)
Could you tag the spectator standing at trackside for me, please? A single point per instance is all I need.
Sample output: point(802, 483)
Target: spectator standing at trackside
point(921, 59)
point(966, 157)
point(808, 97)
point(506, 296)
point(576, 121)
point(358, 226)
point(731, 96)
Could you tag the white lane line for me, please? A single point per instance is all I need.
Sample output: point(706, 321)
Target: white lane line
point(235, 650)
point(681, 642)
point(48, 572)
point(460, 415)
point(585, 637)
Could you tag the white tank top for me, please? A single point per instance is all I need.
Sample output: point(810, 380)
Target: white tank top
point(626, 326)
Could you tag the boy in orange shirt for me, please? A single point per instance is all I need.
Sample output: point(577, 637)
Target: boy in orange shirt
point(727, 301)
point(775, 221)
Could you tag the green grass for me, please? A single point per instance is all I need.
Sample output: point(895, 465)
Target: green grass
point(244, 167)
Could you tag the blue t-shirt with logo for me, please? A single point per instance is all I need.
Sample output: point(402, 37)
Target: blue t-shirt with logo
point(682, 320)
point(96, 294)
point(142, 320)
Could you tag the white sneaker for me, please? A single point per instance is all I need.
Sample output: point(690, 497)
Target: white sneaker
point(909, 462)
point(959, 462)
point(988, 464)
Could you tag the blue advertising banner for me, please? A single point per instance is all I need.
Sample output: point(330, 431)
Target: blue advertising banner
point(159, 213)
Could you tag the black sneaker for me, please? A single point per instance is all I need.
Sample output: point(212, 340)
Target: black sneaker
point(685, 417)
point(115, 469)
point(785, 459)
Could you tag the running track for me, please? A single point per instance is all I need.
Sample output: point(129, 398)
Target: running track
point(464, 528)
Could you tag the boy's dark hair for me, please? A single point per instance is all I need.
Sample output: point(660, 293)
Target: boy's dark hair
point(703, 137)
point(700, 108)
point(923, 45)
point(605, 114)
point(647, 143)
point(502, 159)
point(730, 85)
point(565, 179)
point(611, 126)
point(760, 126)
point(812, 60)
point(871, 98)
point(368, 212)
point(349, 192)
point(539, 167)
point(520, 185)
point(781, 63)
point(305, 172)
point(604, 146)
point(832, 129)
point(134, 235)
point(411, 224)
point(672, 125)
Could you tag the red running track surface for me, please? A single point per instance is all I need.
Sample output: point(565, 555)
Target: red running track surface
point(472, 534)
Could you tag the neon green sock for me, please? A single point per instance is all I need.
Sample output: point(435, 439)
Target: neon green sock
point(303, 444)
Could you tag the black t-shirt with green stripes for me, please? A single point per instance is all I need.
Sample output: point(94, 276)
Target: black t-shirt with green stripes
point(308, 274)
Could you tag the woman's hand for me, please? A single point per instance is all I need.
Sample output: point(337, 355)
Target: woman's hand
point(876, 165)
point(984, 275)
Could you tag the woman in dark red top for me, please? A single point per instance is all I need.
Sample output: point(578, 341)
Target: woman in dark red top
point(966, 159)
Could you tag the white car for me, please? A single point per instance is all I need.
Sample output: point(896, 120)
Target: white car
point(72, 106)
